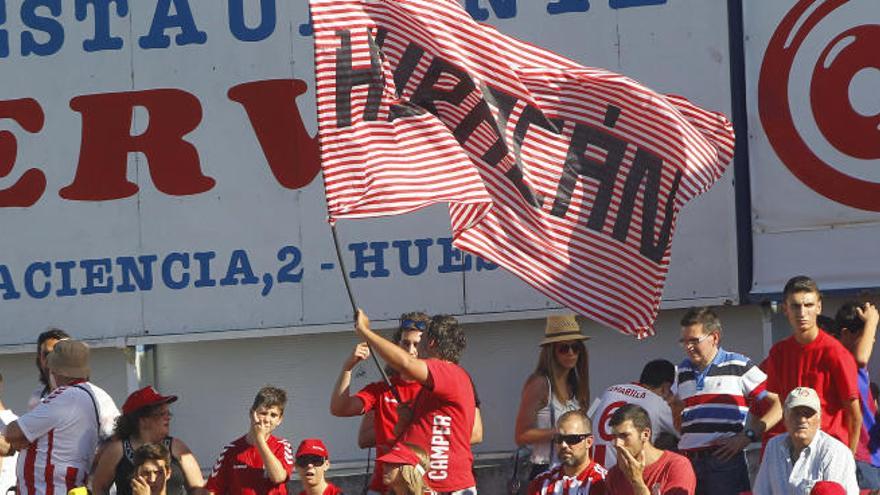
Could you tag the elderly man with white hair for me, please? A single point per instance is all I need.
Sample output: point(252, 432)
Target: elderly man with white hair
point(795, 462)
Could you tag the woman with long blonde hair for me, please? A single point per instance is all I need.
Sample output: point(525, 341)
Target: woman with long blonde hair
point(404, 470)
point(560, 383)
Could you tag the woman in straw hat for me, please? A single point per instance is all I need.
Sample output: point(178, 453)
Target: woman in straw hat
point(560, 383)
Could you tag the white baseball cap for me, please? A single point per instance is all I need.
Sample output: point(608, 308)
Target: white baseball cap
point(803, 396)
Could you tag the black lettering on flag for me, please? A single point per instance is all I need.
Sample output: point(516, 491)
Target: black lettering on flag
point(426, 94)
point(505, 103)
point(647, 168)
point(402, 73)
point(577, 164)
point(347, 78)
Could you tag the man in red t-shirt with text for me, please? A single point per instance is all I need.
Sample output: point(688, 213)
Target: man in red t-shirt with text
point(443, 413)
point(812, 358)
point(377, 397)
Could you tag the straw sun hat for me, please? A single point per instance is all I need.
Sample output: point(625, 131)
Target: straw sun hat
point(562, 328)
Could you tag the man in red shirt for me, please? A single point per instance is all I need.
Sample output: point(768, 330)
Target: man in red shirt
point(812, 358)
point(257, 463)
point(376, 398)
point(642, 468)
point(443, 412)
point(312, 462)
point(576, 474)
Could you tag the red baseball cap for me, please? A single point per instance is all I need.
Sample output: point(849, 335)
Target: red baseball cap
point(827, 488)
point(312, 446)
point(144, 397)
point(400, 454)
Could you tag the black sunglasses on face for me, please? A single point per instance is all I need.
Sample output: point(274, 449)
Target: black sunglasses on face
point(417, 324)
point(568, 348)
point(571, 439)
point(303, 461)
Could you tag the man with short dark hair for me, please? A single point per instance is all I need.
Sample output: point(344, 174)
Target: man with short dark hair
point(796, 461)
point(576, 473)
point(810, 357)
point(443, 416)
point(151, 470)
point(45, 343)
point(717, 387)
point(642, 468)
point(653, 392)
point(857, 330)
point(62, 432)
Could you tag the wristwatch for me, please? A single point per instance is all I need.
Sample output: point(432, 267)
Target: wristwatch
point(750, 434)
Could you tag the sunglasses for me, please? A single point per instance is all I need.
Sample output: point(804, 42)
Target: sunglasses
point(568, 348)
point(693, 342)
point(571, 439)
point(417, 324)
point(303, 461)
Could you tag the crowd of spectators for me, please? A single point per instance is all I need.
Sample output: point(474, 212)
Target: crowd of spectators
point(678, 430)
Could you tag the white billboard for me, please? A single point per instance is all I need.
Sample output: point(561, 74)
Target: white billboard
point(158, 170)
point(814, 141)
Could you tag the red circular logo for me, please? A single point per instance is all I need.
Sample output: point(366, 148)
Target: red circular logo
point(847, 130)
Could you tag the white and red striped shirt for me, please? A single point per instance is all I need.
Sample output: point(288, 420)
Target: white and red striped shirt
point(63, 433)
point(590, 481)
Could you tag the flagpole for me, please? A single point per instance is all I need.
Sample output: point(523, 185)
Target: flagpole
point(354, 309)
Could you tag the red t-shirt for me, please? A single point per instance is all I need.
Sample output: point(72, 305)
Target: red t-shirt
point(591, 481)
point(672, 473)
point(443, 420)
point(378, 396)
point(330, 490)
point(823, 365)
point(239, 469)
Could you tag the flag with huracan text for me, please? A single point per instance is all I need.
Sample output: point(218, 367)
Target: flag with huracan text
point(570, 177)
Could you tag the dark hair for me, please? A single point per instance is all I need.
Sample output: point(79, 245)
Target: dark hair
point(414, 316)
point(875, 390)
point(579, 415)
point(446, 336)
point(704, 316)
point(847, 317)
point(828, 324)
point(657, 372)
point(54, 334)
point(631, 412)
point(800, 283)
point(269, 396)
point(151, 452)
point(578, 377)
point(128, 425)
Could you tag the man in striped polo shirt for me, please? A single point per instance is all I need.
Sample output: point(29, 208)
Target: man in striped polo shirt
point(717, 387)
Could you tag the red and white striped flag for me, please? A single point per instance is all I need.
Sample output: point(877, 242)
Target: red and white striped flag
point(571, 177)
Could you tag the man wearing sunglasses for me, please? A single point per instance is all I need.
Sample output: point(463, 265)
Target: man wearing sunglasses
point(717, 388)
point(576, 474)
point(312, 462)
point(375, 401)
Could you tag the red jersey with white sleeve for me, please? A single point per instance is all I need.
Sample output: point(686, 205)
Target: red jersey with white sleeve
point(443, 420)
point(378, 396)
point(239, 470)
point(591, 481)
point(611, 400)
point(63, 433)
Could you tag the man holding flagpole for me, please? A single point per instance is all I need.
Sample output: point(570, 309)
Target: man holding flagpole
point(443, 413)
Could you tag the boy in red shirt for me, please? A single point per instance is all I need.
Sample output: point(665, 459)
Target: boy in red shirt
point(312, 462)
point(812, 358)
point(443, 413)
point(257, 463)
